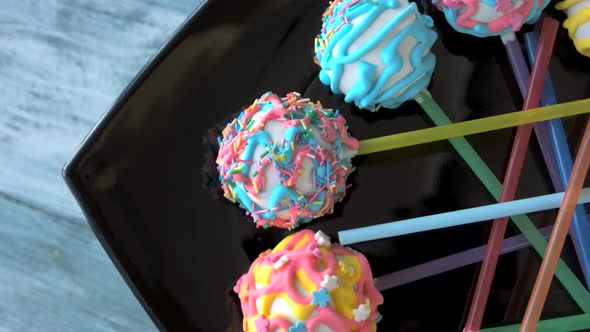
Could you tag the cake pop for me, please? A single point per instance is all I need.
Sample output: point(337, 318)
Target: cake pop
point(577, 23)
point(286, 160)
point(490, 17)
point(307, 284)
point(376, 53)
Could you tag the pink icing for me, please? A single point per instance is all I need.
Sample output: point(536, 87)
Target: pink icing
point(261, 324)
point(282, 281)
point(511, 18)
point(234, 142)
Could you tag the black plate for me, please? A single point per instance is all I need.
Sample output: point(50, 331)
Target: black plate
point(146, 177)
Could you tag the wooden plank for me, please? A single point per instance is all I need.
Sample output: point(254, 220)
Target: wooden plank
point(55, 276)
point(62, 63)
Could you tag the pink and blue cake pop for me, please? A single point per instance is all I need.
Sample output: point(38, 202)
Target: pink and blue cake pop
point(376, 53)
point(485, 18)
point(286, 160)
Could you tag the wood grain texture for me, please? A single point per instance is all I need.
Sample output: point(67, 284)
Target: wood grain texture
point(62, 64)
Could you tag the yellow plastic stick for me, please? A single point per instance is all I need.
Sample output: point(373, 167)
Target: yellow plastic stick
point(474, 126)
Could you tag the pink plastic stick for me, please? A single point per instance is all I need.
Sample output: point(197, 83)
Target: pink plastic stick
point(511, 179)
point(557, 239)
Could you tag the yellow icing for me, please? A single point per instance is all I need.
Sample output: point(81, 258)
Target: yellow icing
point(573, 22)
point(343, 298)
point(307, 284)
point(262, 275)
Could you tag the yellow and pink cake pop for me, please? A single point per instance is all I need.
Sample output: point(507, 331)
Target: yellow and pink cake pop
point(577, 23)
point(307, 284)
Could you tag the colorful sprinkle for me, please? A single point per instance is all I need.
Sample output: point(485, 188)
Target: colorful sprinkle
point(321, 298)
point(281, 262)
point(330, 282)
point(261, 324)
point(323, 239)
point(361, 313)
point(298, 327)
point(286, 205)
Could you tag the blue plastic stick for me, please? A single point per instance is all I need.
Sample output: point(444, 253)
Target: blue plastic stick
point(456, 218)
point(579, 230)
point(522, 75)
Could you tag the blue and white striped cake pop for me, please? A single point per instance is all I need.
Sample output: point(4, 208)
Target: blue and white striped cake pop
point(376, 53)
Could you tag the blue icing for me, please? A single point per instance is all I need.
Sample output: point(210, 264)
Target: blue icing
point(491, 3)
point(282, 196)
point(481, 29)
point(369, 88)
point(260, 138)
point(279, 193)
point(266, 107)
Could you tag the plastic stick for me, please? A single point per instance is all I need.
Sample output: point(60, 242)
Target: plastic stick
point(451, 262)
point(557, 239)
point(522, 75)
point(579, 231)
point(562, 324)
point(471, 127)
point(569, 280)
point(512, 176)
point(492, 184)
point(461, 145)
point(456, 218)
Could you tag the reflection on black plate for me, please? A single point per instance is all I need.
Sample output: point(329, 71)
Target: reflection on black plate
point(146, 176)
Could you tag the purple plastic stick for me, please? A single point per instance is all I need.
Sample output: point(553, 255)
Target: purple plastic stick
point(451, 262)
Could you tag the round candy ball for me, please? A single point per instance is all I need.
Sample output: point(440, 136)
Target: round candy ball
point(307, 284)
point(490, 17)
point(286, 160)
point(376, 53)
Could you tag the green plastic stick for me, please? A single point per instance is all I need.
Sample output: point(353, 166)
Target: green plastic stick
point(562, 324)
point(494, 186)
point(465, 128)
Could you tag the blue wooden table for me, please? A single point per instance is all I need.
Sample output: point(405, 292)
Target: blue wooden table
point(62, 64)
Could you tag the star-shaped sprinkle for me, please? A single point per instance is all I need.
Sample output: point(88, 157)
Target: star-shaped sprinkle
point(330, 282)
point(298, 327)
point(361, 313)
point(280, 262)
point(261, 324)
point(323, 239)
point(321, 297)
